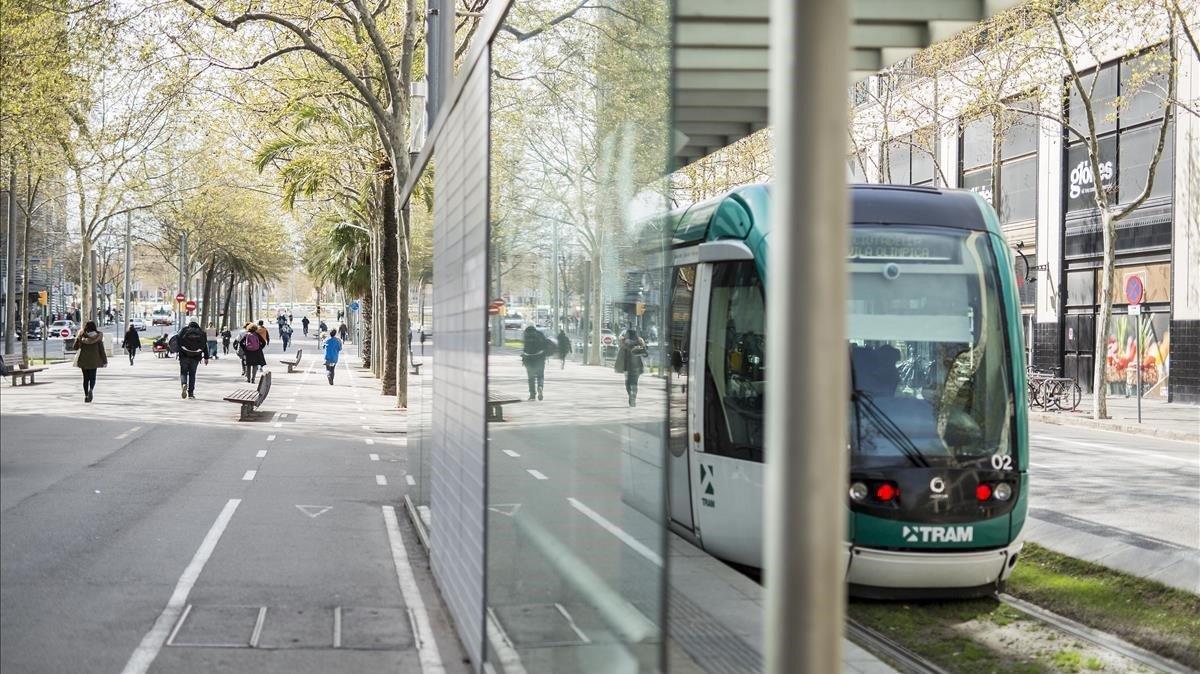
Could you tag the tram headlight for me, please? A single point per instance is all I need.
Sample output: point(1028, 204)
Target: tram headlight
point(1002, 492)
point(858, 491)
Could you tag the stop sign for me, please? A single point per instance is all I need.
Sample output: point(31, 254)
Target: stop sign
point(190, 306)
point(180, 297)
point(64, 333)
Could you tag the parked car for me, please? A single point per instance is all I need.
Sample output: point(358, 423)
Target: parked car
point(138, 324)
point(34, 331)
point(57, 327)
point(162, 317)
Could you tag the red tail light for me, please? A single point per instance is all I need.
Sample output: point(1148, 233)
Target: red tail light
point(983, 492)
point(886, 491)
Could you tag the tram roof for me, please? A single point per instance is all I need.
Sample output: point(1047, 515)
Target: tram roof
point(720, 56)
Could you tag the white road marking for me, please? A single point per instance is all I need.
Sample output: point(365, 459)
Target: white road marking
point(369, 441)
point(537, 474)
point(337, 627)
point(144, 655)
point(409, 479)
point(431, 659)
point(262, 454)
point(271, 438)
point(374, 457)
point(278, 425)
point(314, 511)
point(249, 475)
point(500, 642)
point(381, 480)
point(617, 531)
point(256, 634)
point(366, 428)
point(128, 433)
point(1047, 440)
point(512, 454)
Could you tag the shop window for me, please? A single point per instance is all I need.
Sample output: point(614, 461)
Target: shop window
point(1136, 151)
point(899, 162)
point(979, 181)
point(1018, 190)
point(1081, 184)
point(1102, 84)
point(1020, 131)
point(977, 143)
point(922, 166)
point(1081, 288)
point(1143, 87)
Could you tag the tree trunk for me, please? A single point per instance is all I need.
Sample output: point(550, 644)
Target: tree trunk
point(364, 349)
point(229, 318)
point(25, 285)
point(597, 311)
point(249, 302)
point(391, 267)
point(1108, 227)
point(402, 311)
point(206, 312)
point(86, 282)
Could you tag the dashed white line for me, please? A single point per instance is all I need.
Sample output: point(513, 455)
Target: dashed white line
point(271, 438)
point(147, 650)
point(249, 475)
point(431, 659)
point(128, 433)
point(409, 479)
point(374, 457)
point(381, 480)
point(512, 454)
point(617, 531)
point(537, 474)
point(262, 454)
point(278, 425)
point(369, 441)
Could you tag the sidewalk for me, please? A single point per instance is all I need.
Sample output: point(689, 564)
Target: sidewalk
point(1174, 421)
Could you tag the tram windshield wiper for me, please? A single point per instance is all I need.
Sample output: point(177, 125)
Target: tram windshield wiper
point(889, 429)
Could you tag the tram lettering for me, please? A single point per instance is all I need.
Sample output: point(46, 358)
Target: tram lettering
point(927, 534)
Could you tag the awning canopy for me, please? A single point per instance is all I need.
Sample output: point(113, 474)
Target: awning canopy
point(721, 58)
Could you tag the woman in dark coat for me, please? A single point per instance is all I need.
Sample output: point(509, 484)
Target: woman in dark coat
point(564, 347)
point(256, 358)
point(90, 356)
point(131, 343)
point(629, 362)
point(533, 356)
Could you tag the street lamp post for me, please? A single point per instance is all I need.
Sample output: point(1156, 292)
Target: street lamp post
point(128, 266)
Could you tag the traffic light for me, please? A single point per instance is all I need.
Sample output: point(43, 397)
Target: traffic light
point(43, 298)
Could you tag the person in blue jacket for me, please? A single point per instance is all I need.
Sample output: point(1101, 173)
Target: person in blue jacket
point(333, 348)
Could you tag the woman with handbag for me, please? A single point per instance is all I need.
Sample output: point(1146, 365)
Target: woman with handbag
point(90, 356)
point(629, 361)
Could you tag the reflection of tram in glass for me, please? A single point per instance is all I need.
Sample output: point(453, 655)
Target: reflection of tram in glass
point(937, 439)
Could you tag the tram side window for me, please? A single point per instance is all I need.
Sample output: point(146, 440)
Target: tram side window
point(734, 370)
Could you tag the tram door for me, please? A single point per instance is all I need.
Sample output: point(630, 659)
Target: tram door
point(679, 351)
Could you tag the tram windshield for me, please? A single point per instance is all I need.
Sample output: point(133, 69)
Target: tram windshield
point(928, 352)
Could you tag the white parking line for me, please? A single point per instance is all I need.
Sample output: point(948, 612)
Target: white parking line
point(381, 480)
point(409, 479)
point(512, 454)
point(617, 531)
point(1051, 441)
point(369, 441)
point(374, 457)
point(128, 433)
point(431, 659)
point(537, 474)
point(147, 650)
point(262, 454)
point(249, 475)
point(271, 438)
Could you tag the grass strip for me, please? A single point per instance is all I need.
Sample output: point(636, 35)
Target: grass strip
point(1156, 617)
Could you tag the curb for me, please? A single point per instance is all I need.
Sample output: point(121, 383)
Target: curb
point(1148, 428)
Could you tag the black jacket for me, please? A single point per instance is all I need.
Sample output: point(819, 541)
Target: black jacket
point(193, 343)
point(132, 340)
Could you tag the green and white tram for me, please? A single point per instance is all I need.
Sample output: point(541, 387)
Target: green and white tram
point(937, 491)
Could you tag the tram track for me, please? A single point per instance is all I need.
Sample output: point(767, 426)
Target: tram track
point(897, 655)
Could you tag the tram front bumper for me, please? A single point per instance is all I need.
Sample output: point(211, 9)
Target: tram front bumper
point(873, 572)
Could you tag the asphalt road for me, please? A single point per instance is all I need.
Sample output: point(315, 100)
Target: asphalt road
point(120, 514)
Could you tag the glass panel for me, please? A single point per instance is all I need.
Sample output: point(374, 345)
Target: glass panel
point(979, 181)
point(577, 389)
point(928, 350)
point(1081, 288)
point(922, 164)
point(1020, 131)
point(1018, 188)
point(734, 372)
point(420, 344)
point(1143, 87)
point(1103, 87)
point(678, 352)
point(1027, 278)
point(1080, 183)
point(1137, 150)
point(899, 162)
point(977, 143)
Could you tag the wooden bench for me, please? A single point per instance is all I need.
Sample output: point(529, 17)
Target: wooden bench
point(416, 367)
point(293, 362)
point(250, 398)
point(15, 367)
point(496, 403)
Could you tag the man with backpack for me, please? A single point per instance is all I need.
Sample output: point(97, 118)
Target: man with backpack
point(193, 346)
point(285, 334)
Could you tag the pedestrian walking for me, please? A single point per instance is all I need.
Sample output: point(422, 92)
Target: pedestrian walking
point(90, 356)
point(629, 361)
point(226, 337)
point(252, 351)
point(533, 357)
point(564, 347)
point(131, 343)
point(264, 334)
point(423, 339)
point(290, 318)
point(193, 347)
point(304, 325)
point(285, 334)
point(333, 348)
point(342, 331)
point(322, 328)
point(211, 335)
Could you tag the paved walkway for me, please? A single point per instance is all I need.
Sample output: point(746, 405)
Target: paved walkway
point(1176, 421)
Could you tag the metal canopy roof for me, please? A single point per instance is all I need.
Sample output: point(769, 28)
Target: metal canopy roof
point(721, 58)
